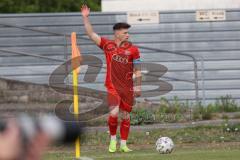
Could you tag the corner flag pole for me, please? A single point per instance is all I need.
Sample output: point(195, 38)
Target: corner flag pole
point(76, 64)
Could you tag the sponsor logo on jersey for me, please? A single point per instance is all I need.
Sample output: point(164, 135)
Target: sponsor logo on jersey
point(120, 59)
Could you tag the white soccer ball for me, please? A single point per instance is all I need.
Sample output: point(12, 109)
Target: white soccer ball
point(164, 145)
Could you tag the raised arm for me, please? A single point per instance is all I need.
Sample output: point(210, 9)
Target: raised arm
point(88, 27)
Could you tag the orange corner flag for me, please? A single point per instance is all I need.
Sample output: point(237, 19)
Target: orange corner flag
point(76, 54)
point(76, 60)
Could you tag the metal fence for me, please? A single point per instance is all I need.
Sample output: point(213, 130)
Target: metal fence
point(202, 57)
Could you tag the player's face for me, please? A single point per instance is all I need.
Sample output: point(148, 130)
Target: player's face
point(122, 34)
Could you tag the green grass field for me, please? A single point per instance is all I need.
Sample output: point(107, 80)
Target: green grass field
point(194, 143)
point(222, 153)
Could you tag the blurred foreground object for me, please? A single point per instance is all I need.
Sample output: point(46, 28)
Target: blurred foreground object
point(26, 137)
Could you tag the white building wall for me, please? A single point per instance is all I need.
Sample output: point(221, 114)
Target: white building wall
point(165, 5)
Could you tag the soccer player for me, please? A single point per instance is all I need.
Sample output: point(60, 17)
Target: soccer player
point(123, 59)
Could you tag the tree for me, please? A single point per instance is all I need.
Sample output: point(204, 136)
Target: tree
point(40, 6)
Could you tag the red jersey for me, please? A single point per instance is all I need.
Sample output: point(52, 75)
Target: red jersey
point(119, 63)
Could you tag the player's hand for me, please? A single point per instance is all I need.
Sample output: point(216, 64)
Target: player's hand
point(85, 10)
point(137, 91)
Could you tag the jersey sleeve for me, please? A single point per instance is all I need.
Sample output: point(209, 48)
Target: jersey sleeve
point(136, 56)
point(103, 42)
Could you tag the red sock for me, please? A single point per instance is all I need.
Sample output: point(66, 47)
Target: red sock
point(124, 129)
point(112, 124)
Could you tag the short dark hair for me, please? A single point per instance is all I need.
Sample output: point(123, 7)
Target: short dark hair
point(121, 25)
